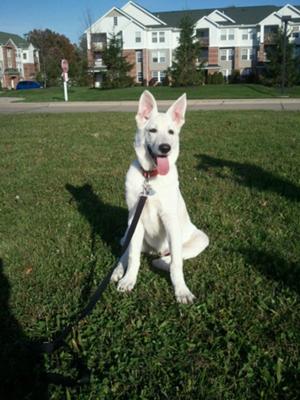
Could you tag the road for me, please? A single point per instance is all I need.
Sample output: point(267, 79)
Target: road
point(11, 106)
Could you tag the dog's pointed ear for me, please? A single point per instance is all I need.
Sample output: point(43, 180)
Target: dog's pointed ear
point(177, 111)
point(147, 106)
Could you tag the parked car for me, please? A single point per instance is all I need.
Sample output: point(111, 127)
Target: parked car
point(28, 85)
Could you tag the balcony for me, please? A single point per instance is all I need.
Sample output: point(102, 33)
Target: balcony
point(203, 37)
point(270, 38)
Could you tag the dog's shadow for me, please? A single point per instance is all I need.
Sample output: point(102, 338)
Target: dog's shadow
point(107, 221)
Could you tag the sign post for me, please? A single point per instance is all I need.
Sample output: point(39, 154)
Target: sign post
point(65, 69)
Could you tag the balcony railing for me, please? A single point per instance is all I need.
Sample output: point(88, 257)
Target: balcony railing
point(204, 41)
point(270, 38)
point(98, 46)
point(11, 71)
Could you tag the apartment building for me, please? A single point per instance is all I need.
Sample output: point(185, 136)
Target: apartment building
point(19, 60)
point(231, 38)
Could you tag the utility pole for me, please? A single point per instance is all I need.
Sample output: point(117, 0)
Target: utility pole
point(285, 19)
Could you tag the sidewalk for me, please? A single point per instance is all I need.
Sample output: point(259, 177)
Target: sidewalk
point(10, 106)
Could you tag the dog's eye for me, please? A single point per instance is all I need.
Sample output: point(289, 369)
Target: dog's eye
point(153, 130)
point(171, 132)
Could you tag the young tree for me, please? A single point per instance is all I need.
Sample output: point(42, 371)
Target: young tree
point(117, 65)
point(273, 71)
point(184, 70)
point(53, 47)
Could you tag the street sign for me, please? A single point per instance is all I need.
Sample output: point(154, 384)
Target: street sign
point(65, 68)
point(65, 65)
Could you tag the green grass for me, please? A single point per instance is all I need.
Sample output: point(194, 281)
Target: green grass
point(250, 91)
point(62, 215)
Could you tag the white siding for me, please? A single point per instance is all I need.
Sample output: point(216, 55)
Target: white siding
point(139, 15)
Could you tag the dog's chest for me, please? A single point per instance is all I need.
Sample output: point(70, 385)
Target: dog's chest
point(151, 218)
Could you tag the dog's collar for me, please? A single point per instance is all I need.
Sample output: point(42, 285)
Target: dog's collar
point(149, 174)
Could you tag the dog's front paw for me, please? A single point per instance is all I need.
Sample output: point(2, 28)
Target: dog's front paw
point(118, 273)
point(126, 284)
point(184, 296)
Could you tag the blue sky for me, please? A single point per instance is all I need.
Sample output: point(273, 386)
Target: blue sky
point(68, 16)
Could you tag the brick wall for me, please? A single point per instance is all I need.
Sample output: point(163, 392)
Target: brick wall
point(29, 71)
point(131, 58)
point(213, 55)
point(237, 58)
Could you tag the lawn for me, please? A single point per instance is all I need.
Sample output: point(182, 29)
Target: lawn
point(240, 91)
point(62, 215)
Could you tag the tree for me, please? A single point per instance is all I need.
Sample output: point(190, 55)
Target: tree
point(273, 70)
point(184, 70)
point(84, 77)
point(117, 65)
point(53, 47)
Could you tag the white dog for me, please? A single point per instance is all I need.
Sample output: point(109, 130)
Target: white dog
point(164, 227)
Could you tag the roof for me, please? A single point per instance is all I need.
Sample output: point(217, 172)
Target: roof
point(241, 15)
point(18, 40)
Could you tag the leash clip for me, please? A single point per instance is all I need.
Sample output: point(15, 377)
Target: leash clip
point(147, 189)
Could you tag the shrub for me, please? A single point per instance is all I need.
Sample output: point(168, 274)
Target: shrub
point(215, 79)
point(235, 76)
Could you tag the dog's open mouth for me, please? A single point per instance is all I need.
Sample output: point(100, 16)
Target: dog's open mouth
point(161, 161)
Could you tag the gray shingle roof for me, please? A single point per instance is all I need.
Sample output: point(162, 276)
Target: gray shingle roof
point(18, 40)
point(241, 15)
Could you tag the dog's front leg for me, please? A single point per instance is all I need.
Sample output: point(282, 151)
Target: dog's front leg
point(173, 229)
point(126, 284)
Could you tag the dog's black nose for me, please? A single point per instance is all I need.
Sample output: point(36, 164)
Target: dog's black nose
point(164, 148)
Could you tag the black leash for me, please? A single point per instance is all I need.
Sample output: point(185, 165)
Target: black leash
point(57, 342)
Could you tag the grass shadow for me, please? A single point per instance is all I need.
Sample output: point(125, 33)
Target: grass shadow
point(251, 175)
point(274, 266)
point(261, 90)
point(21, 369)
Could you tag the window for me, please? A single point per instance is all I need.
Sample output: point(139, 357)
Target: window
point(140, 77)
point(231, 34)
point(158, 57)
point(245, 36)
point(226, 54)
point(223, 34)
point(295, 34)
point(155, 57)
point(158, 76)
point(223, 54)
point(161, 37)
point(24, 56)
point(139, 56)
point(247, 54)
point(154, 37)
point(162, 57)
point(138, 37)
point(244, 54)
point(115, 21)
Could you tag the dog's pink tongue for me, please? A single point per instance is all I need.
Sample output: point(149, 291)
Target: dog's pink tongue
point(162, 165)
